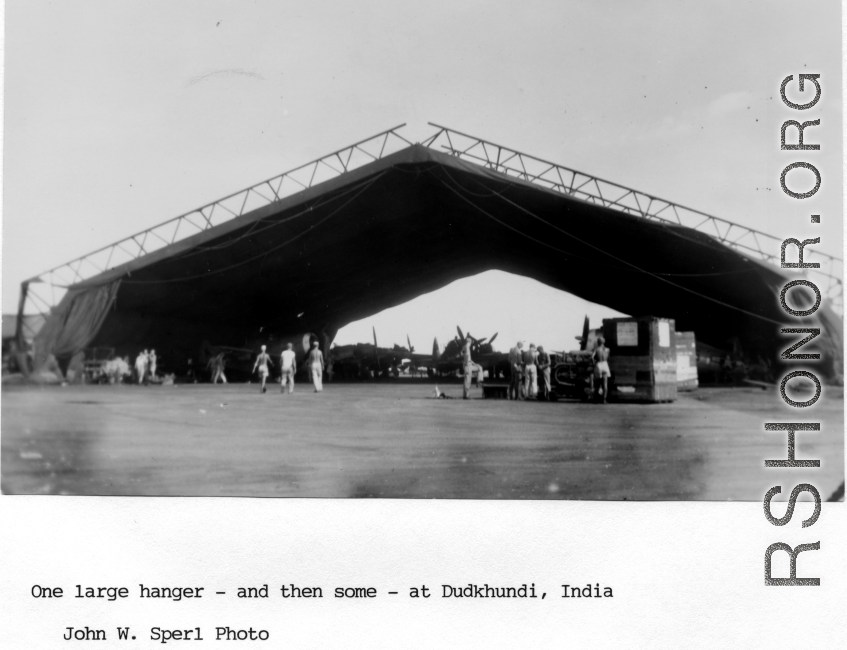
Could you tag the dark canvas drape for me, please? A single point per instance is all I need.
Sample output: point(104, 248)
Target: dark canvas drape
point(75, 322)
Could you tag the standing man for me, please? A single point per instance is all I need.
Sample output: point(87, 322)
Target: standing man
point(141, 366)
point(288, 362)
point(530, 372)
point(468, 368)
point(543, 362)
point(316, 365)
point(516, 368)
point(153, 360)
point(601, 367)
point(262, 362)
point(216, 364)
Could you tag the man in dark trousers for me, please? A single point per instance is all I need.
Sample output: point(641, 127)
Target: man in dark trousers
point(516, 370)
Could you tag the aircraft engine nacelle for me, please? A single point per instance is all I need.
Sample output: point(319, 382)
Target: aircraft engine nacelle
point(302, 344)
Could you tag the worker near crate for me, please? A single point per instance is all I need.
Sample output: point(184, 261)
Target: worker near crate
point(543, 363)
point(530, 372)
point(601, 367)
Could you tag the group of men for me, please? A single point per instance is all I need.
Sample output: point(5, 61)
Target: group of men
point(531, 372)
point(145, 366)
point(528, 367)
point(288, 365)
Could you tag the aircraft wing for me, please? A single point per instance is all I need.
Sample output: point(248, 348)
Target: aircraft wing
point(419, 359)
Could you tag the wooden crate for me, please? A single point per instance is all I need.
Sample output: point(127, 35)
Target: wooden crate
point(642, 358)
point(686, 361)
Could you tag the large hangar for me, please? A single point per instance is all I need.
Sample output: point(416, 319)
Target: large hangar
point(375, 225)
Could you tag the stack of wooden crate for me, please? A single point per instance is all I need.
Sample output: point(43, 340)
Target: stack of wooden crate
point(643, 358)
point(686, 361)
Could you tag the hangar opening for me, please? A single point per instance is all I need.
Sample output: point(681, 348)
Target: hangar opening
point(494, 307)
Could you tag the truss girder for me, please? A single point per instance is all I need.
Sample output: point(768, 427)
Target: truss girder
point(560, 178)
point(45, 291)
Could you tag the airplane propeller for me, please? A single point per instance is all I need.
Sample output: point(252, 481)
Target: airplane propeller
point(412, 366)
point(376, 350)
point(583, 340)
point(476, 343)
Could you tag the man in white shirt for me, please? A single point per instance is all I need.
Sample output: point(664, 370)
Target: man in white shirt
point(141, 366)
point(530, 372)
point(151, 358)
point(288, 361)
point(468, 368)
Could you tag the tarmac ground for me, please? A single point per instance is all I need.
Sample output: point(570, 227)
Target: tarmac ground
point(394, 440)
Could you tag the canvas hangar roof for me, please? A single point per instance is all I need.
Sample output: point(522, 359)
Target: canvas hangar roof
point(408, 223)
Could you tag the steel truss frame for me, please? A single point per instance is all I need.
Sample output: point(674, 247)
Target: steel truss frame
point(594, 189)
point(43, 292)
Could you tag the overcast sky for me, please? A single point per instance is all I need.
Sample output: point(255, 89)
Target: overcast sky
point(119, 115)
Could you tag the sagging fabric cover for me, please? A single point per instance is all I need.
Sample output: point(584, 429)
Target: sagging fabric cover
point(411, 223)
point(75, 322)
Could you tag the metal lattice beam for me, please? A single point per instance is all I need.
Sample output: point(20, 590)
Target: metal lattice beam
point(516, 164)
point(43, 292)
